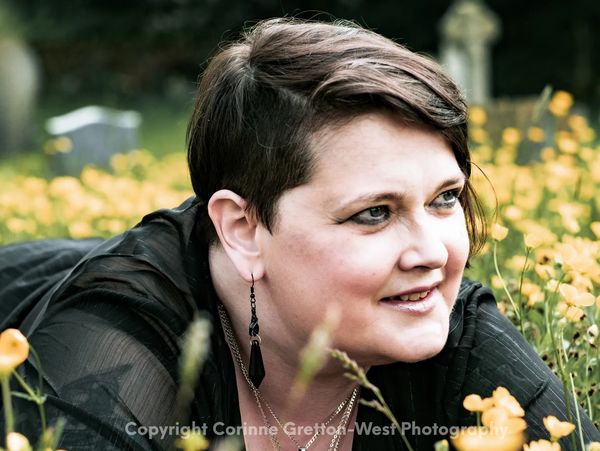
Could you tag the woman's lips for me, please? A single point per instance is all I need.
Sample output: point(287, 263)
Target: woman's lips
point(419, 302)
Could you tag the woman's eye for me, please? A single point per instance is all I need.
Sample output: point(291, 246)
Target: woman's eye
point(372, 216)
point(447, 199)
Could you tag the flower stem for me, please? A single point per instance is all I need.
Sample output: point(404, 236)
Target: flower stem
point(579, 428)
point(35, 397)
point(512, 302)
point(563, 376)
point(527, 252)
point(6, 402)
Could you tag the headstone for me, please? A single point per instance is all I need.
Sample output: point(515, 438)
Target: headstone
point(92, 135)
point(468, 30)
point(19, 81)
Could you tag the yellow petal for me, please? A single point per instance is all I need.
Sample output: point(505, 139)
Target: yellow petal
point(499, 232)
point(557, 428)
point(533, 240)
point(14, 350)
point(535, 134)
point(541, 445)
point(511, 405)
point(574, 314)
point(511, 136)
point(494, 417)
point(477, 115)
point(17, 442)
point(569, 292)
point(585, 299)
point(474, 403)
point(477, 439)
point(561, 103)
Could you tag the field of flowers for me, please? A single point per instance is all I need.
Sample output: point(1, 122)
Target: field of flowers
point(542, 258)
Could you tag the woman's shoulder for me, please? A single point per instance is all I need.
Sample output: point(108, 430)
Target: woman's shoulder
point(485, 350)
point(108, 333)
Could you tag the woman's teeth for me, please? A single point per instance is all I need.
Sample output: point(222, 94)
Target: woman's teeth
point(414, 296)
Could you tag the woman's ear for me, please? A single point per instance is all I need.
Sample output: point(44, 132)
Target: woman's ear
point(237, 231)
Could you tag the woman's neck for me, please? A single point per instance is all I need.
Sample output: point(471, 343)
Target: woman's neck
point(323, 407)
point(280, 348)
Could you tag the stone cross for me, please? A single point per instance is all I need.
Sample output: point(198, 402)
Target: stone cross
point(468, 30)
point(94, 134)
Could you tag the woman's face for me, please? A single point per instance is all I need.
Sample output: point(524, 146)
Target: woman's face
point(379, 231)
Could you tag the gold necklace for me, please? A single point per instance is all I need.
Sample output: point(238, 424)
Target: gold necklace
point(346, 405)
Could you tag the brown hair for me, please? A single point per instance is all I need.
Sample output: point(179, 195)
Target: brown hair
point(262, 98)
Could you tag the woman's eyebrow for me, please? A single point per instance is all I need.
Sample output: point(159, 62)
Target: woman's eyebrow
point(397, 196)
point(451, 181)
point(394, 196)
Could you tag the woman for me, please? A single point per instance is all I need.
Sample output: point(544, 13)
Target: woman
point(332, 172)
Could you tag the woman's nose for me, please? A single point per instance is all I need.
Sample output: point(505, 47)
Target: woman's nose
point(423, 247)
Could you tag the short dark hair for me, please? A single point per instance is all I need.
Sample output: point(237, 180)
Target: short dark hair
point(262, 98)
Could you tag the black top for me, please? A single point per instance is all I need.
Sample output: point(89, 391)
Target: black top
point(107, 319)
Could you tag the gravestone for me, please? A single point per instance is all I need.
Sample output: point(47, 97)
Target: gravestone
point(19, 79)
point(468, 30)
point(92, 135)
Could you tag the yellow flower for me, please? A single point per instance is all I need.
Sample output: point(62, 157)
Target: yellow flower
point(595, 227)
point(579, 281)
point(14, 350)
point(575, 297)
point(503, 398)
point(561, 103)
point(477, 115)
point(17, 442)
point(513, 213)
point(474, 403)
point(557, 428)
point(566, 143)
point(579, 254)
point(544, 234)
point(478, 135)
point(80, 229)
point(541, 445)
point(499, 232)
point(477, 439)
point(532, 240)
point(192, 442)
point(571, 312)
point(594, 446)
point(533, 292)
point(511, 136)
point(535, 134)
point(547, 154)
point(577, 122)
point(62, 144)
point(517, 262)
point(545, 272)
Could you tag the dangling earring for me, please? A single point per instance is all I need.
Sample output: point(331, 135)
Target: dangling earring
point(256, 368)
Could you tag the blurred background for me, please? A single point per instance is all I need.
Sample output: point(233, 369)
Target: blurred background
point(145, 55)
point(95, 95)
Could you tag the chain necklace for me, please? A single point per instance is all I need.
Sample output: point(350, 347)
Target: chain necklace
point(346, 405)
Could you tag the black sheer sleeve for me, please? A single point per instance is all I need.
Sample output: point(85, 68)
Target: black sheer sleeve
point(108, 367)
